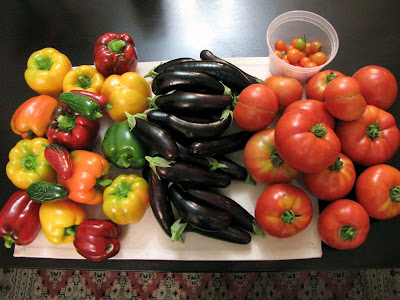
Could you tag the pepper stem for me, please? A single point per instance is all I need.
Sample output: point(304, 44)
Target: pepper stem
point(71, 230)
point(84, 82)
point(123, 189)
point(44, 63)
point(373, 130)
point(319, 130)
point(177, 230)
point(395, 194)
point(31, 134)
point(275, 158)
point(8, 241)
point(101, 182)
point(29, 161)
point(337, 165)
point(288, 216)
point(66, 122)
point(116, 46)
point(347, 233)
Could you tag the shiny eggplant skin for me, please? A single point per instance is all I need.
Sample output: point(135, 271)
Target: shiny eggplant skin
point(161, 67)
point(232, 234)
point(233, 169)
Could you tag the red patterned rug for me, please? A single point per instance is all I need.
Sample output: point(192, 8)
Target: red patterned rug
point(68, 284)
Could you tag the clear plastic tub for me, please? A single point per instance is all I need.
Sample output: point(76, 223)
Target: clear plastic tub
point(294, 24)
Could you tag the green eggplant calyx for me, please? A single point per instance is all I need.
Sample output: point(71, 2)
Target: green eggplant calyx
point(319, 130)
point(177, 230)
point(337, 165)
point(84, 82)
point(250, 180)
point(347, 233)
point(101, 183)
point(288, 216)
point(71, 230)
point(395, 194)
point(257, 230)
point(8, 241)
point(116, 46)
point(66, 122)
point(123, 189)
point(29, 161)
point(152, 101)
point(373, 130)
point(276, 159)
point(157, 161)
point(132, 118)
point(44, 63)
point(227, 90)
point(214, 164)
point(152, 73)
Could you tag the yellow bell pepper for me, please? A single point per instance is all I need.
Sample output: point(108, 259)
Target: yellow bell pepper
point(125, 201)
point(83, 78)
point(45, 71)
point(126, 92)
point(60, 220)
point(27, 163)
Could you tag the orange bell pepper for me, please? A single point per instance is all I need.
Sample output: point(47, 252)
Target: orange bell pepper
point(90, 176)
point(85, 78)
point(32, 117)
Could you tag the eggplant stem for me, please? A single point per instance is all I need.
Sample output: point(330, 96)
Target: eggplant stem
point(177, 230)
point(257, 230)
point(214, 164)
point(157, 161)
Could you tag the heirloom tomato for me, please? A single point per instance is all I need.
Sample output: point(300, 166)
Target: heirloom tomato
point(286, 90)
point(343, 224)
point(304, 144)
point(334, 182)
point(317, 84)
point(378, 191)
point(371, 139)
point(283, 210)
point(262, 160)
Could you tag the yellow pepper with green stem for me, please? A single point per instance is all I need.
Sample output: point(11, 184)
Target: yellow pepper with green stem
point(85, 78)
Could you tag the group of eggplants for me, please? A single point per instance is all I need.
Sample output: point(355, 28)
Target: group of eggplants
point(187, 162)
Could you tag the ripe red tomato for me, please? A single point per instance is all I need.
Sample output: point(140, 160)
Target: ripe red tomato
point(304, 60)
point(256, 108)
point(371, 139)
point(280, 45)
point(283, 210)
point(319, 58)
point(378, 191)
point(310, 64)
point(343, 99)
point(316, 109)
point(263, 162)
point(334, 182)
point(378, 86)
point(316, 85)
point(286, 90)
point(293, 55)
point(343, 224)
point(315, 47)
point(304, 144)
point(307, 49)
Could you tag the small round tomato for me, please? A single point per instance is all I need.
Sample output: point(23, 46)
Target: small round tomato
point(256, 108)
point(343, 98)
point(310, 64)
point(280, 45)
point(278, 53)
point(343, 224)
point(316, 85)
point(289, 48)
point(286, 90)
point(302, 54)
point(293, 42)
point(334, 182)
point(285, 60)
point(300, 43)
point(319, 58)
point(293, 55)
point(307, 49)
point(262, 160)
point(315, 47)
point(378, 86)
point(378, 191)
point(283, 210)
point(304, 60)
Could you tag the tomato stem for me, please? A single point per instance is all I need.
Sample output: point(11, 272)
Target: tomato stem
point(373, 130)
point(288, 216)
point(275, 158)
point(395, 194)
point(319, 130)
point(330, 77)
point(337, 165)
point(347, 233)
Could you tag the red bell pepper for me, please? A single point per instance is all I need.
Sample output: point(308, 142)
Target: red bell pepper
point(19, 220)
point(100, 99)
point(97, 240)
point(115, 54)
point(72, 130)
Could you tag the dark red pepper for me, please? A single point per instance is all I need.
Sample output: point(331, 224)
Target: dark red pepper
point(19, 220)
point(100, 99)
point(115, 54)
point(71, 130)
point(97, 240)
point(58, 156)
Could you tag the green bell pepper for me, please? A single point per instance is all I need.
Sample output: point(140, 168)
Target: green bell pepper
point(123, 148)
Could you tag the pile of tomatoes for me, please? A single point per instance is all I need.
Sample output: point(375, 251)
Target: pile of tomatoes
point(343, 123)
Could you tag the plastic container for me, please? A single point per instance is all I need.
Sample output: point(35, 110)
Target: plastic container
point(294, 24)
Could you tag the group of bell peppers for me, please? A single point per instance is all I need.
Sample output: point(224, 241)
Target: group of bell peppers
point(53, 165)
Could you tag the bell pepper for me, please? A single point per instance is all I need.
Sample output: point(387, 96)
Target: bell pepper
point(60, 220)
point(126, 199)
point(123, 148)
point(100, 99)
point(32, 117)
point(71, 130)
point(46, 69)
point(58, 156)
point(126, 92)
point(97, 240)
point(115, 54)
point(91, 172)
point(27, 163)
point(83, 78)
point(19, 220)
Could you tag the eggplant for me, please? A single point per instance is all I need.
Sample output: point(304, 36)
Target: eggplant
point(159, 117)
point(154, 136)
point(188, 81)
point(221, 145)
point(232, 234)
point(162, 66)
point(205, 162)
point(198, 215)
point(229, 75)
point(232, 169)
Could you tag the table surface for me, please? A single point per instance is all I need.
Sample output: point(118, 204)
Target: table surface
point(368, 32)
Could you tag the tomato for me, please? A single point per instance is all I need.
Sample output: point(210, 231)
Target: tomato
point(280, 45)
point(283, 210)
point(289, 48)
point(293, 42)
point(315, 47)
point(316, 85)
point(286, 90)
point(304, 144)
point(307, 49)
point(300, 43)
point(343, 99)
point(278, 53)
point(304, 60)
point(343, 224)
point(302, 54)
point(293, 55)
point(317, 110)
point(256, 108)
point(310, 64)
point(334, 182)
point(319, 58)
point(285, 59)
point(371, 139)
point(262, 160)
point(378, 86)
point(378, 191)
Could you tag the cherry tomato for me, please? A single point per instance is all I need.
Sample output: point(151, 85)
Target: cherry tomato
point(289, 48)
point(256, 108)
point(286, 90)
point(293, 42)
point(304, 60)
point(378, 191)
point(319, 58)
point(283, 210)
point(343, 224)
point(378, 86)
point(278, 53)
point(343, 98)
point(334, 182)
point(280, 45)
point(293, 55)
point(307, 49)
point(302, 54)
point(371, 139)
point(304, 144)
point(310, 64)
point(263, 162)
point(316, 85)
point(285, 60)
point(315, 47)
point(300, 43)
